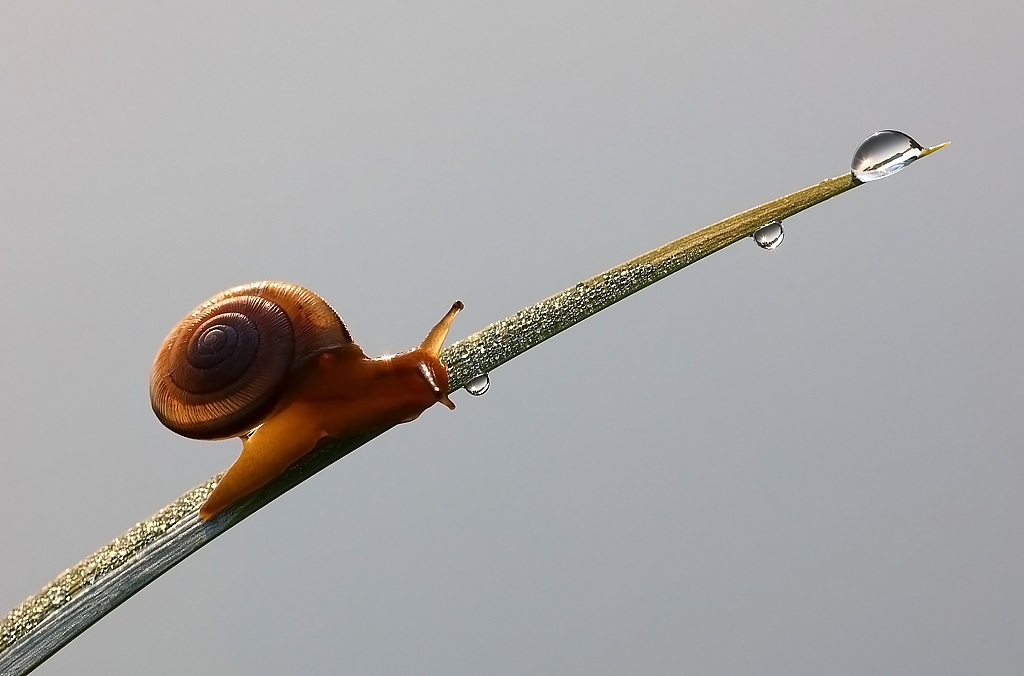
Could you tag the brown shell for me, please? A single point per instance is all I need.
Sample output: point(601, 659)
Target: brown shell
point(222, 369)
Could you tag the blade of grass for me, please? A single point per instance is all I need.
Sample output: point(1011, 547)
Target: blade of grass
point(81, 595)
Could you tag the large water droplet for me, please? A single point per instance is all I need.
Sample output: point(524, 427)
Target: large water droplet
point(769, 236)
point(479, 385)
point(883, 154)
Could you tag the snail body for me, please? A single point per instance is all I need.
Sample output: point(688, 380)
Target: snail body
point(273, 364)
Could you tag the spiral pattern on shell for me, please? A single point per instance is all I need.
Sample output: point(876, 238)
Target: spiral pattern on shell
point(224, 367)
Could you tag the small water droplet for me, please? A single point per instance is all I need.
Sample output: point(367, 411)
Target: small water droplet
point(883, 154)
point(769, 236)
point(479, 385)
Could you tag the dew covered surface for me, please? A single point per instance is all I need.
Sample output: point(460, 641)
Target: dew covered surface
point(800, 462)
point(42, 624)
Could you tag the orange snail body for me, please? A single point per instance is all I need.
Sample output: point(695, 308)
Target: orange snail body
point(274, 360)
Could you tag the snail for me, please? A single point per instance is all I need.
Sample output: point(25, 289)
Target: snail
point(273, 364)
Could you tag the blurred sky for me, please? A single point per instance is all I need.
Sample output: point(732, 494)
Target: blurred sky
point(799, 462)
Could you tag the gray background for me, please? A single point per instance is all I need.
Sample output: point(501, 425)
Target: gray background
point(799, 462)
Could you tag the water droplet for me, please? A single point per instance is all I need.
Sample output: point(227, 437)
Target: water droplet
point(883, 154)
point(479, 385)
point(769, 236)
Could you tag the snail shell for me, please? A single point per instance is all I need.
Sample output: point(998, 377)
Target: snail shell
point(223, 368)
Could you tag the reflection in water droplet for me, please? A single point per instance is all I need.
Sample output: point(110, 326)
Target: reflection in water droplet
point(883, 154)
point(769, 236)
point(479, 385)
